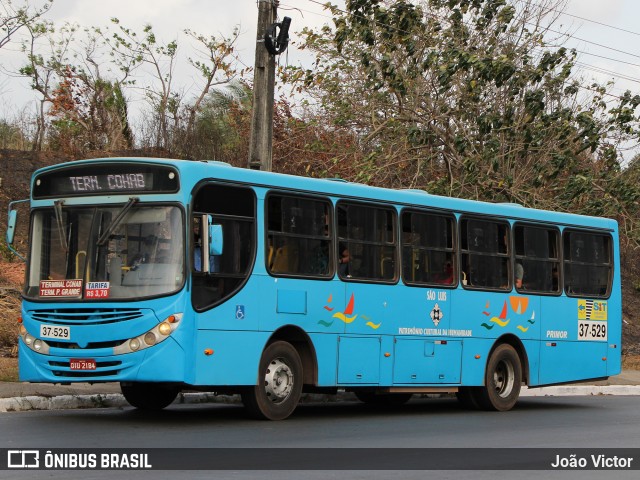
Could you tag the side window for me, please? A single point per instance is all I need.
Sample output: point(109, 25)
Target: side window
point(298, 236)
point(587, 263)
point(234, 209)
point(484, 247)
point(537, 261)
point(366, 242)
point(427, 249)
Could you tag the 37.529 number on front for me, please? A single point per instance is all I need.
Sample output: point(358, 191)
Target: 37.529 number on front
point(47, 331)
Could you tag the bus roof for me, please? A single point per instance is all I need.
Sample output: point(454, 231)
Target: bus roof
point(194, 171)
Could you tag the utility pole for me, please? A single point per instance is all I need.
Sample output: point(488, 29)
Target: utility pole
point(263, 92)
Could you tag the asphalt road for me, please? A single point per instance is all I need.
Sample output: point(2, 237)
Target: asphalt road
point(596, 422)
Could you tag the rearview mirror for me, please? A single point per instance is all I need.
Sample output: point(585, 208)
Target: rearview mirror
point(11, 226)
point(12, 220)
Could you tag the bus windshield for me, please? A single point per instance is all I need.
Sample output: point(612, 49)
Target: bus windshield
point(115, 252)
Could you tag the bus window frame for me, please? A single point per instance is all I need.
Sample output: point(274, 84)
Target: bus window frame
point(509, 254)
point(331, 237)
point(396, 239)
point(210, 183)
point(455, 250)
point(611, 265)
point(559, 260)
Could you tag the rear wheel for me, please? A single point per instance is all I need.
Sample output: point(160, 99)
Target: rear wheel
point(280, 383)
point(149, 396)
point(391, 399)
point(503, 379)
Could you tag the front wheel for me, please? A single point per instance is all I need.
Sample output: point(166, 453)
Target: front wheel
point(503, 379)
point(279, 383)
point(149, 396)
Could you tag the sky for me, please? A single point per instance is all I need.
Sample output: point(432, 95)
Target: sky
point(607, 53)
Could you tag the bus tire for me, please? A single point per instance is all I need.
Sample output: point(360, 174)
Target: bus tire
point(149, 396)
point(503, 379)
point(390, 399)
point(279, 383)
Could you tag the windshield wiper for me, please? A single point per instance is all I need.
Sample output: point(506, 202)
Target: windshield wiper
point(57, 207)
point(116, 221)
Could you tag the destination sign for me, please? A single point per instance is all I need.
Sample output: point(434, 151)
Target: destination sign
point(105, 179)
point(111, 182)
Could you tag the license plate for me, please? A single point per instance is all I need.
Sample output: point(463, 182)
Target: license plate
point(59, 332)
point(82, 364)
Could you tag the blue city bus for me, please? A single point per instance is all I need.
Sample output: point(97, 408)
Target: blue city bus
point(171, 275)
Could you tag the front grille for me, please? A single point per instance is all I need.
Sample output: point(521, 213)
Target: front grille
point(85, 316)
point(91, 345)
point(85, 374)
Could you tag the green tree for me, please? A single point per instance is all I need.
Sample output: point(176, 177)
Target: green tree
point(42, 69)
point(88, 110)
point(14, 18)
point(467, 98)
point(221, 122)
point(174, 114)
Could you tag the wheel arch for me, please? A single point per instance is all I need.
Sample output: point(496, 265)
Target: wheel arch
point(299, 339)
point(520, 349)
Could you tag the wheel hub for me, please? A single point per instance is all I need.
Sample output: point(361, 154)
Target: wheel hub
point(504, 378)
point(278, 381)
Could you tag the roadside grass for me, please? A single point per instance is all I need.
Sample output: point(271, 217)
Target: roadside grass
point(10, 308)
point(631, 362)
point(8, 369)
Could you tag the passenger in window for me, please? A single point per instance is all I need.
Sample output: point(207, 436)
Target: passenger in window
point(343, 261)
point(519, 274)
point(446, 276)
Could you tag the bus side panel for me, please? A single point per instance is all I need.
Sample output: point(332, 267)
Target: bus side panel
point(491, 315)
point(313, 305)
point(326, 347)
point(426, 361)
point(242, 311)
point(475, 352)
point(564, 356)
point(566, 361)
point(228, 357)
point(480, 318)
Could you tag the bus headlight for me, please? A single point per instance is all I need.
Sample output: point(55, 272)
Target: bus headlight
point(33, 343)
point(164, 328)
point(156, 335)
point(134, 344)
